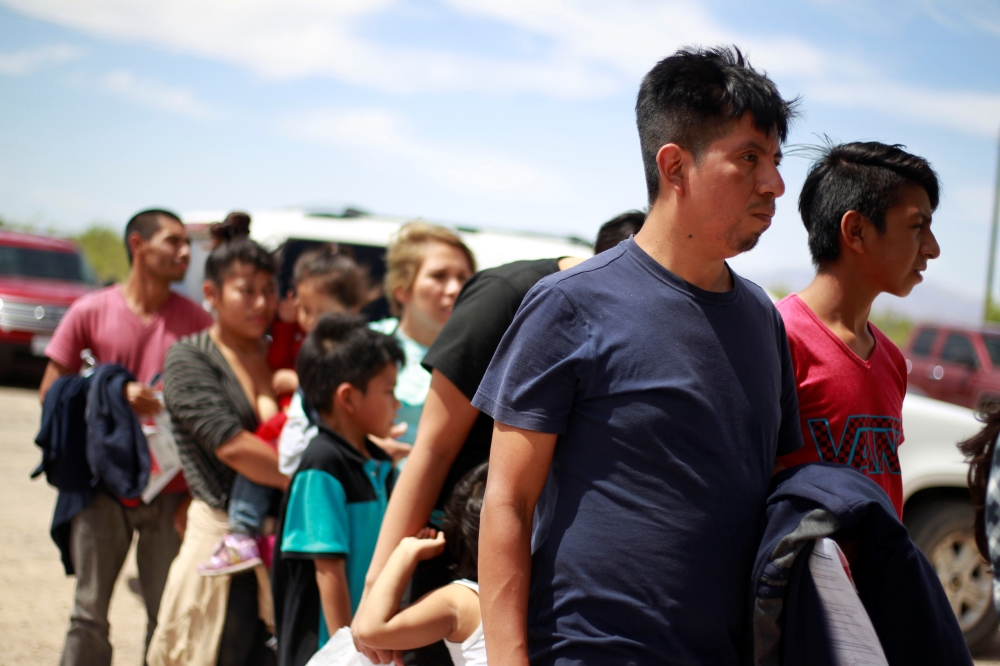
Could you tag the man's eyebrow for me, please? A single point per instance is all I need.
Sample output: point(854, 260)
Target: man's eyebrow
point(756, 145)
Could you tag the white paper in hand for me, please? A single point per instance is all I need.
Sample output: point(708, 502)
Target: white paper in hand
point(851, 632)
point(339, 651)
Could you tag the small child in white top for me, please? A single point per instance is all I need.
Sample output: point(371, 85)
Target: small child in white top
point(451, 612)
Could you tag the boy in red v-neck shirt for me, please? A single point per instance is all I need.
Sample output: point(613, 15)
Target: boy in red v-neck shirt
point(867, 208)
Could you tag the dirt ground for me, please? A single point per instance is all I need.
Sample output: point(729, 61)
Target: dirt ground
point(37, 596)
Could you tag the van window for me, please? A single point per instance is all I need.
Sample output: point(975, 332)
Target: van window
point(992, 343)
point(925, 342)
point(958, 349)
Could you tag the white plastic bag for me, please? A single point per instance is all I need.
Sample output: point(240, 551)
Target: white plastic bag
point(339, 651)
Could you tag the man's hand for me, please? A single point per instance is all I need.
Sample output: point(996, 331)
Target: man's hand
point(142, 399)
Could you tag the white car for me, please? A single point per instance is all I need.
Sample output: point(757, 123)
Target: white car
point(938, 513)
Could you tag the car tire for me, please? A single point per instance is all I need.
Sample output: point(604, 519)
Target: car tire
point(943, 530)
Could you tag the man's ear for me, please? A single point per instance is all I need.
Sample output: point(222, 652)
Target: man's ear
point(135, 242)
point(344, 396)
point(855, 229)
point(672, 163)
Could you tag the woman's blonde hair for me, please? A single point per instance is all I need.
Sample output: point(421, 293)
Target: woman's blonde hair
point(405, 255)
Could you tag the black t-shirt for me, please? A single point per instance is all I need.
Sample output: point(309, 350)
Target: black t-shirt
point(463, 350)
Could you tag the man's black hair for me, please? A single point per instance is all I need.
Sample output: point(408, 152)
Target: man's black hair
point(242, 250)
point(342, 349)
point(690, 98)
point(866, 177)
point(617, 229)
point(461, 521)
point(146, 223)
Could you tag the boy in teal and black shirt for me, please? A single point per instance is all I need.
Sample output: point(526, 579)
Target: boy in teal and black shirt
point(332, 513)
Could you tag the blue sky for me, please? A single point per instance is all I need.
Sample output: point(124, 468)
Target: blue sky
point(509, 113)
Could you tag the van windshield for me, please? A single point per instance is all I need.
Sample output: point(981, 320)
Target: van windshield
point(992, 343)
point(34, 263)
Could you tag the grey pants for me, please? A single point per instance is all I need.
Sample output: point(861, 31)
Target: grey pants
point(100, 538)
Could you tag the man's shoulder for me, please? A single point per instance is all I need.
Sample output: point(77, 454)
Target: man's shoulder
point(758, 294)
point(189, 311)
point(517, 277)
point(96, 301)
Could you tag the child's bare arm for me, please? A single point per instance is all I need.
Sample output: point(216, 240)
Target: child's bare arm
point(447, 612)
point(334, 595)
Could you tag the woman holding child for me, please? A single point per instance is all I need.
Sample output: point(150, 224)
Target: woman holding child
point(217, 387)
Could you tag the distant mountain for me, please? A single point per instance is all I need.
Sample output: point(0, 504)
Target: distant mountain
point(928, 302)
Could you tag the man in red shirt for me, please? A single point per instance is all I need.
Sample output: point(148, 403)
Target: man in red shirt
point(131, 324)
point(867, 208)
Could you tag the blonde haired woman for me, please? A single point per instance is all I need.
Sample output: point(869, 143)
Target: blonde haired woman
point(426, 266)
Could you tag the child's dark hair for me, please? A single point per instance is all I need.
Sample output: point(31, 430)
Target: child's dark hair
point(865, 177)
point(461, 521)
point(338, 275)
point(342, 349)
point(239, 250)
point(978, 449)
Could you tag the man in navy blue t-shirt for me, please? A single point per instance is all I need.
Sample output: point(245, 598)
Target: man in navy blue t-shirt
point(647, 391)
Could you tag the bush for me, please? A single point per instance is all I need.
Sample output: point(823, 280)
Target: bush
point(104, 251)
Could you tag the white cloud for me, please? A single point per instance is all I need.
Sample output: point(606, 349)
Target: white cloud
point(381, 138)
point(976, 114)
point(595, 49)
point(154, 94)
point(29, 61)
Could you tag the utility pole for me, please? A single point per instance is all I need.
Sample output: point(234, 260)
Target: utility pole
point(993, 240)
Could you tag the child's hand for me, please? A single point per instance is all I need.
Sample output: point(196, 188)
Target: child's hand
point(394, 449)
point(427, 543)
point(285, 381)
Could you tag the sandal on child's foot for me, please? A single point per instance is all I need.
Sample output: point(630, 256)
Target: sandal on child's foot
point(234, 553)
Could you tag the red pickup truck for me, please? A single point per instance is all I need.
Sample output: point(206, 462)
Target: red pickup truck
point(960, 365)
point(39, 278)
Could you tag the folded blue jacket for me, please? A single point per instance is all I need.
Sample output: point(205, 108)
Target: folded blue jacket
point(897, 585)
point(91, 441)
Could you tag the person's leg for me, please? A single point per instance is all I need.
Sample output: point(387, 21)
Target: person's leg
point(248, 506)
point(238, 550)
point(157, 547)
point(244, 636)
point(100, 537)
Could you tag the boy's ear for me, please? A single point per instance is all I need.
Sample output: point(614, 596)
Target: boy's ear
point(854, 230)
point(345, 396)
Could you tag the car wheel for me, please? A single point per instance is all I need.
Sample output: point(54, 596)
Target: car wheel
point(943, 531)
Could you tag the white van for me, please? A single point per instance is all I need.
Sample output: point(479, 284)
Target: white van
point(290, 232)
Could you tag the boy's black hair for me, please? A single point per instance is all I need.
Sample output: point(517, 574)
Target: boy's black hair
point(617, 229)
point(338, 274)
point(342, 349)
point(862, 176)
point(146, 223)
point(240, 250)
point(690, 98)
point(461, 521)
